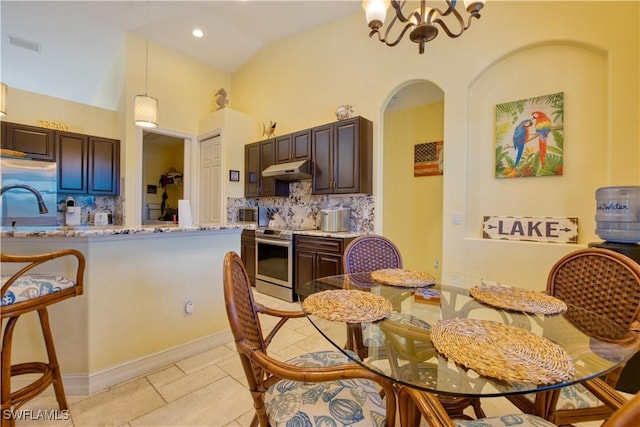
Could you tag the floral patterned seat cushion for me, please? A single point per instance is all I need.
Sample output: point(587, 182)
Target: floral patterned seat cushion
point(519, 420)
point(353, 402)
point(573, 397)
point(32, 286)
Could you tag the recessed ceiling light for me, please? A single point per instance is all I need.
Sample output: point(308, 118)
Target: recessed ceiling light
point(197, 32)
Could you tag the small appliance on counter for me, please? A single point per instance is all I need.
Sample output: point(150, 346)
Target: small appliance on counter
point(73, 213)
point(101, 218)
point(334, 220)
point(259, 216)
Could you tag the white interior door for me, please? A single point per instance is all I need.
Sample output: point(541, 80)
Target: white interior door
point(211, 181)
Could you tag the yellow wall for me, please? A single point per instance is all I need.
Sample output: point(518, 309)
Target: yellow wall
point(506, 55)
point(412, 210)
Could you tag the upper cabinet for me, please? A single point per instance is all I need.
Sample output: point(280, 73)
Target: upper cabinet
point(293, 147)
point(342, 154)
point(87, 164)
point(252, 170)
point(257, 157)
point(103, 165)
point(36, 142)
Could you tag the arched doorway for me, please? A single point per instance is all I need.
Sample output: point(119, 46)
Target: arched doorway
point(412, 205)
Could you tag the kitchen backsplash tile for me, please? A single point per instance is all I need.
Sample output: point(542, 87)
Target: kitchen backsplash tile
point(302, 209)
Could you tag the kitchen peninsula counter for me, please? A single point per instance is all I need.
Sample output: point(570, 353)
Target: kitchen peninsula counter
point(115, 230)
point(131, 318)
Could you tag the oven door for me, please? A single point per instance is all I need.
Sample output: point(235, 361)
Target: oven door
point(274, 261)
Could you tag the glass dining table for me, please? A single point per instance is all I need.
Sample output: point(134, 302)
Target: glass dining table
point(400, 346)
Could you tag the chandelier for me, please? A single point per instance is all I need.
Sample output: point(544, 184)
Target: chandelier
point(421, 23)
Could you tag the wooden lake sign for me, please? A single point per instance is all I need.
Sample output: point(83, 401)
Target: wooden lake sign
point(533, 229)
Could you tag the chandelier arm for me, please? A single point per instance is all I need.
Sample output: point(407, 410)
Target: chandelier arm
point(397, 6)
point(385, 38)
point(447, 30)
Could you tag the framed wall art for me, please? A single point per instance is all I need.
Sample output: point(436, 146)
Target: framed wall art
point(530, 137)
point(427, 159)
point(234, 175)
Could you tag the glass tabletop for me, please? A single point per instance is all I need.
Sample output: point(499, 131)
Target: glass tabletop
point(400, 348)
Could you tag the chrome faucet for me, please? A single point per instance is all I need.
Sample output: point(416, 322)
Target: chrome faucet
point(41, 206)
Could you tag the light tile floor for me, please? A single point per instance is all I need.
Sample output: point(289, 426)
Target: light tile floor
point(208, 389)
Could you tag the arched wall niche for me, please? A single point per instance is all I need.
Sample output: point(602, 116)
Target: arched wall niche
point(581, 73)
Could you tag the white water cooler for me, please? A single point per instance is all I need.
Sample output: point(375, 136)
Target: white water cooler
point(618, 223)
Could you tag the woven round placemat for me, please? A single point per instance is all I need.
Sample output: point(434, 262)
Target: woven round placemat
point(400, 277)
point(516, 299)
point(346, 305)
point(501, 351)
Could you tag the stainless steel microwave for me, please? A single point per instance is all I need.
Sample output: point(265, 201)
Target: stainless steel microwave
point(254, 215)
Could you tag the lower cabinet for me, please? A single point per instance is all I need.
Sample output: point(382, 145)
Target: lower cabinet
point(248, 253)
point(316, 257)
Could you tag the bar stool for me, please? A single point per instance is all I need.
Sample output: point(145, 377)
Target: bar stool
point(23, 293)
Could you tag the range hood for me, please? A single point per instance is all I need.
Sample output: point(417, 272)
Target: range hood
point(292, 171)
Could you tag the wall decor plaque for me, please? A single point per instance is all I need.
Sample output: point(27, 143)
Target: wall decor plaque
point(534, 229)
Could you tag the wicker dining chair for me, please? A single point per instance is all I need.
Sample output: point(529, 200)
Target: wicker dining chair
point(413, 403)
point(374, 252)
point(606, 283)
point(370, 253)
point(25, 291)
point(319, 388)
point(365, 254)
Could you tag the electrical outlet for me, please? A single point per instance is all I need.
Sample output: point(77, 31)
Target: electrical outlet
point(436, 263)
point(456, 218)
point(189, 307)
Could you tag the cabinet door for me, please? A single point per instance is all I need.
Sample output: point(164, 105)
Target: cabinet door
point(322, 155)
point(72, 162)
point(248, 254)
point(38, 143)
point(346, 157)
point(301, 145)
point(283, 148)
point(328, 264)
point(267, 158)
point(103, 166)
point(252, 170)
point(304, 267)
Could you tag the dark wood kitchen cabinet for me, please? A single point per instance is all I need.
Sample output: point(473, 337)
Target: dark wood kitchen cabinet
point(36, 142)
point(87, 164)
point(252, 170)
point(342, 154)
point(316, 257)
point(293, 147)
point(248, 253)
point(257, 157)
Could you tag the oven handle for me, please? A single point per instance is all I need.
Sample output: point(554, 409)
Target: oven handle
point(283, 243)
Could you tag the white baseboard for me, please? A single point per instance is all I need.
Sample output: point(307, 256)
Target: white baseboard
point(85, 384)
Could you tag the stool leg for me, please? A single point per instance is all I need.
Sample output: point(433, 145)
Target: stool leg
point(58, 387)
point(6, 419)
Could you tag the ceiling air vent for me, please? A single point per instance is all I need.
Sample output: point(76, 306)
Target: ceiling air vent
point(24, 43)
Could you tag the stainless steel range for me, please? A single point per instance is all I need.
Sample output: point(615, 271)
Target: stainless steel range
point(274, 262)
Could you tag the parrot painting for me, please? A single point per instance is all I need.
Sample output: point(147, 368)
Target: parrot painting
point(543, 127)
point(520, 137)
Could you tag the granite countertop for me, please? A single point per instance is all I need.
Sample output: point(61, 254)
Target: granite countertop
point(113, 230)
point(155, 229)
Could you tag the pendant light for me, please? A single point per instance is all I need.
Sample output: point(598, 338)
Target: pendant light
point(145, 108)
point(3, 99)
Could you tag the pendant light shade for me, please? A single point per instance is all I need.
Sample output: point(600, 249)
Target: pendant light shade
point(145, 111)
point(3, 99)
